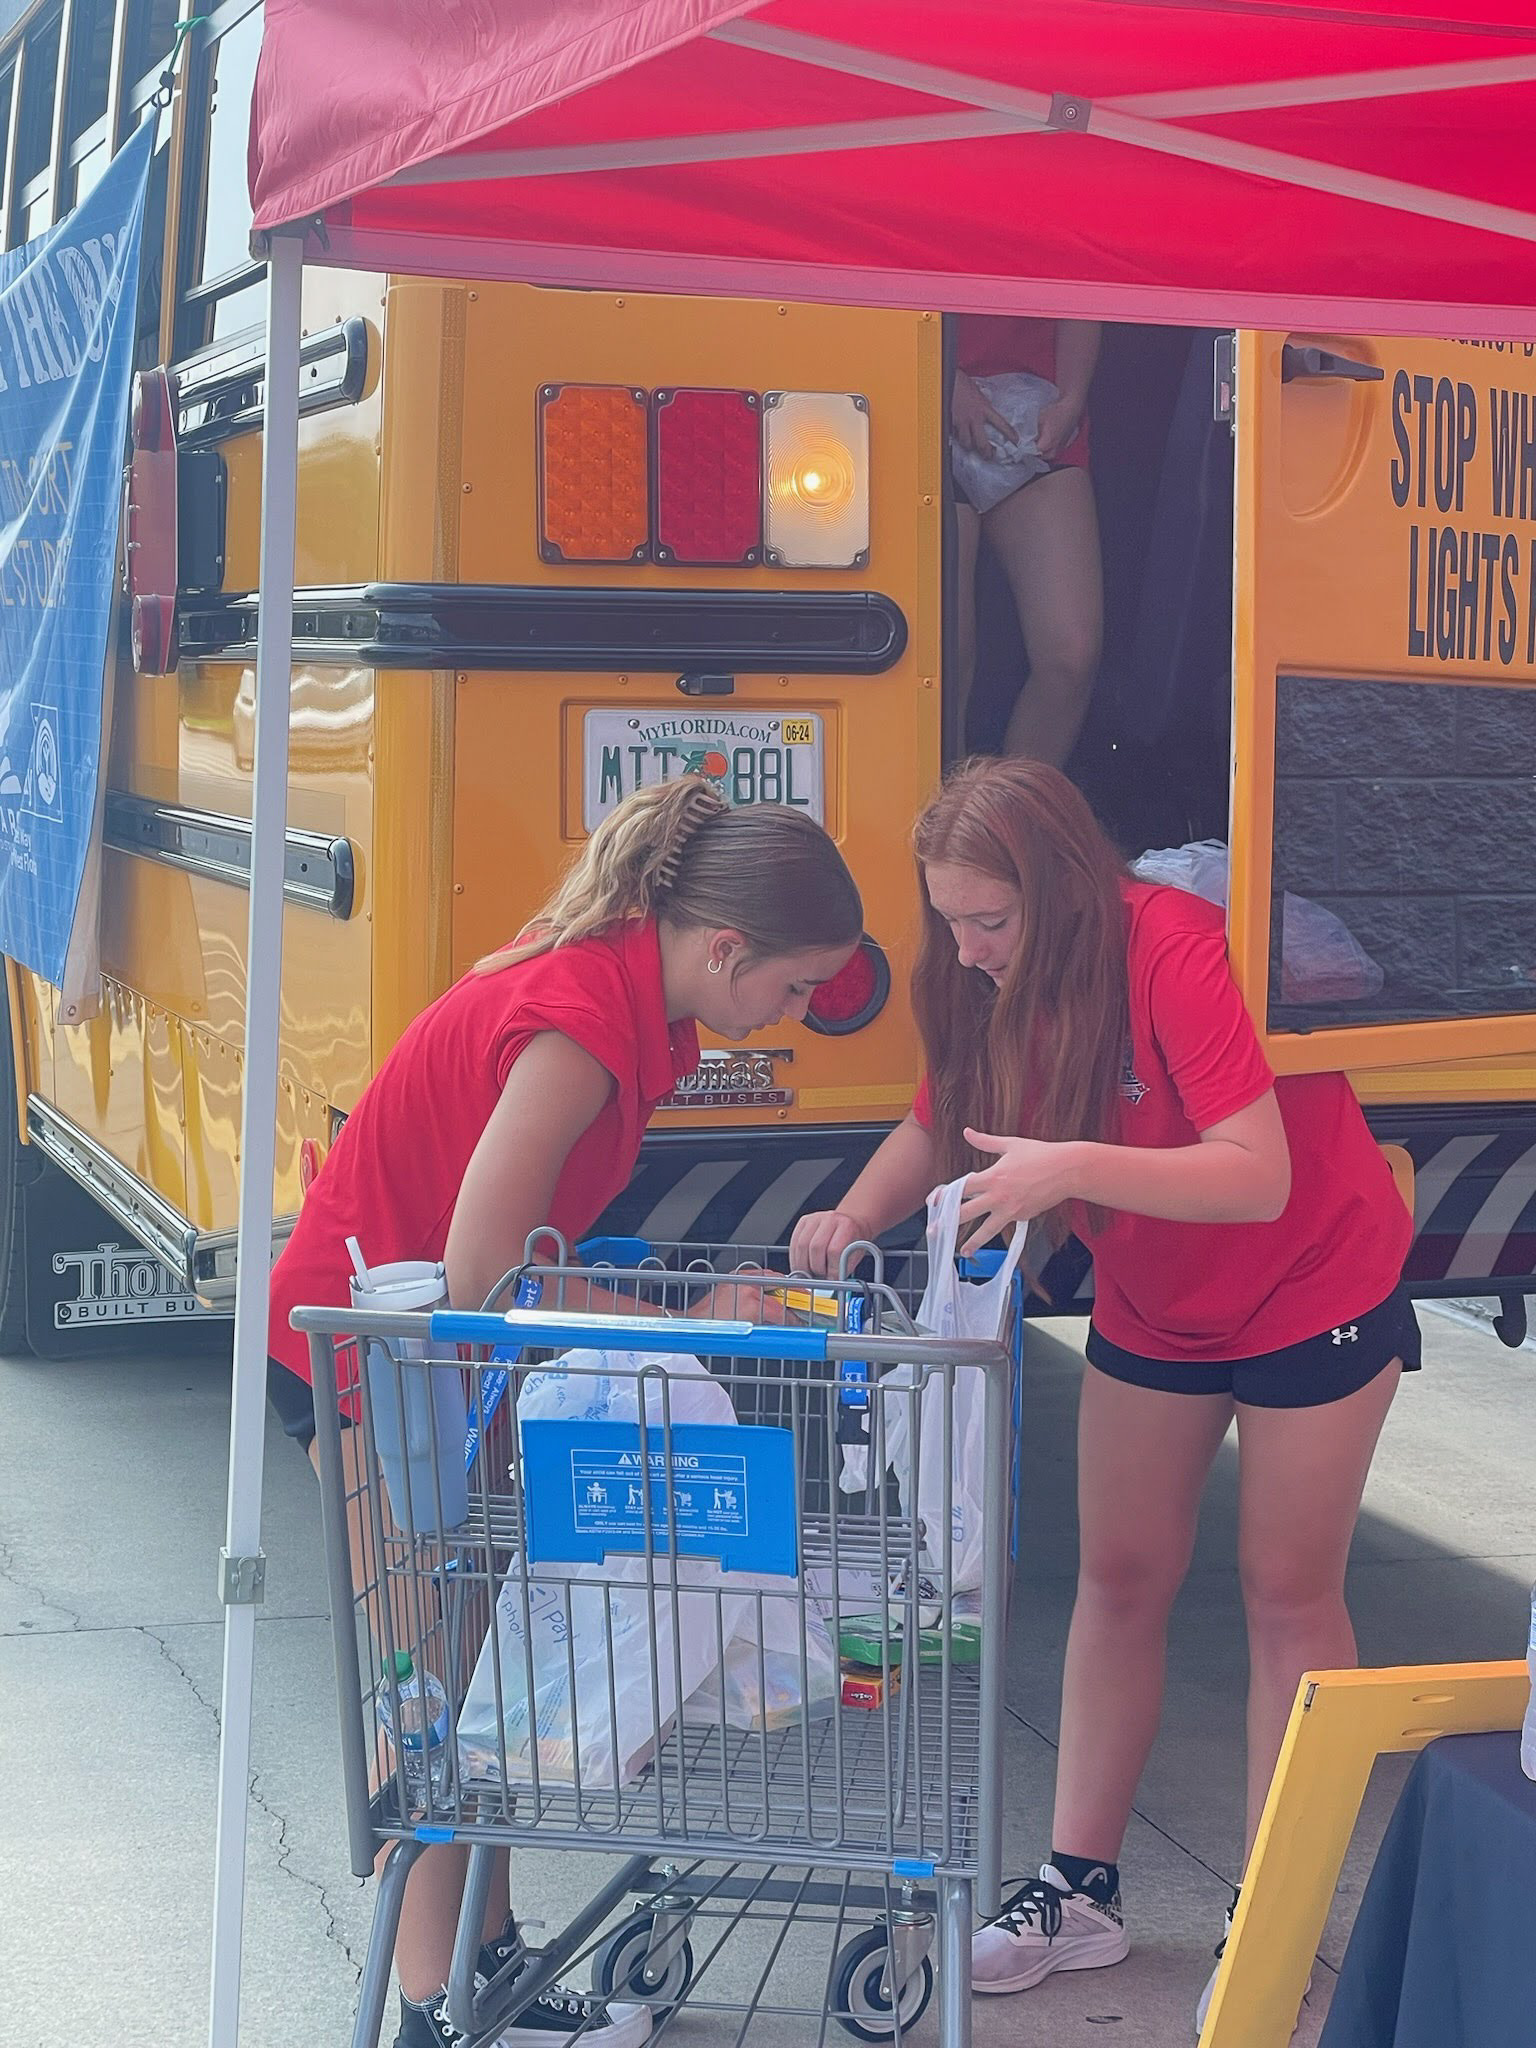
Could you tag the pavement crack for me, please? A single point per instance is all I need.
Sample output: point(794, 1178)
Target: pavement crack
point(210, 1707)
point(334, 1930)
point(29, 1590)
point(277, 1821)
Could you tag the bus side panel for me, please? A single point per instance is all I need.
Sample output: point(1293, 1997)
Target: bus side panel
point(422, 451)
point(157, 1077)
point(31, 1015)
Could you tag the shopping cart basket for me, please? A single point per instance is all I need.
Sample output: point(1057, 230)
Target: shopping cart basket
point(679, 1529)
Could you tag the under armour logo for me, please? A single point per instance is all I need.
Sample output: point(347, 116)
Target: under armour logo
point(1346, 1333)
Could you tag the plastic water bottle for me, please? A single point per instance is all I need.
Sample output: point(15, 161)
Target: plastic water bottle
point(421, 1737)
point(1528, 1732)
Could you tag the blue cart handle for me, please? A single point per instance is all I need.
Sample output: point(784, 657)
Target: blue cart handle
point(562, 1330)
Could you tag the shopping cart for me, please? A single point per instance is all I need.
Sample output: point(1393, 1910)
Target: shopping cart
point(755, 1532)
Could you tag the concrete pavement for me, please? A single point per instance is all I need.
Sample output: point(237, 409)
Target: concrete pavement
point(111, 1512)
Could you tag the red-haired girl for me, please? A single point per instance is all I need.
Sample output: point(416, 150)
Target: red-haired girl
point(1092, 1065)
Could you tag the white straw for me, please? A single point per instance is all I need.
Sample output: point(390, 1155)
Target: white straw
point(359, 1264)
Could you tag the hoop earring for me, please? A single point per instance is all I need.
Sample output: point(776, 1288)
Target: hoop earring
point(715, 966)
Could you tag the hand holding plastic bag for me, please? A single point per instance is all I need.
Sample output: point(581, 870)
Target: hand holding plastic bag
point(1020, 398)
point(951, 1307)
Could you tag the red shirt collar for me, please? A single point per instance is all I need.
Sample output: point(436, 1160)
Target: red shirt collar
point(667, 1051)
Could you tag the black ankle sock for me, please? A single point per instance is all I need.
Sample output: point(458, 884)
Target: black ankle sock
point(1099, 1881)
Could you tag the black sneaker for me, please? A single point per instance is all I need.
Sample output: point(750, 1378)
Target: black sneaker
point(555, 2019)
point(495, 1955)
point(426, 2026)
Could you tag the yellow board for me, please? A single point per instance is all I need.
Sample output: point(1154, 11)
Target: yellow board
point(1341, 1723)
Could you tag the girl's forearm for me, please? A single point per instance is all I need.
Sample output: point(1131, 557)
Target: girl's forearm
point(1077, 355)
point(1212, 1182)
point(896, 1181)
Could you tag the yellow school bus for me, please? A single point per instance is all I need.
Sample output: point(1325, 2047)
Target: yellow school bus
point(552, 544)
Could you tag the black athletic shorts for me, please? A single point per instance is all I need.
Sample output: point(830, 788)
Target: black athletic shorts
point(1320, 1369)
point(294, 1400)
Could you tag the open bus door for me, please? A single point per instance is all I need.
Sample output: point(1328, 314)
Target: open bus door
point(1384, 734)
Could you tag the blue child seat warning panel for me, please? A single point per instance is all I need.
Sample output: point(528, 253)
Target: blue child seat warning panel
point(718, 1491)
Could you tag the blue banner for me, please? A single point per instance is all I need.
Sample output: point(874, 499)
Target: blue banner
point(67, 317)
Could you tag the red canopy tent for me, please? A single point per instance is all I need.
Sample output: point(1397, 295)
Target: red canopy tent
point(1264, 162)
point(1284, 163)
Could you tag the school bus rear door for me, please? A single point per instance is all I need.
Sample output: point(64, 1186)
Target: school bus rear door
point(1383, 912)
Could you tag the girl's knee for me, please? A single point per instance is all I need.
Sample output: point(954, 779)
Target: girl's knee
point(1283, 1591)
point(1131, 1582)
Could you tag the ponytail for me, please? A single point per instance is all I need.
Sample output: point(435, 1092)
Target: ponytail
point(679, 852)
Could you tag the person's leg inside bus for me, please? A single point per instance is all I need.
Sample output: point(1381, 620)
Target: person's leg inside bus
point(1302, 1472)
point(961, 683)
point(1047, 538)
point(1143, 1459)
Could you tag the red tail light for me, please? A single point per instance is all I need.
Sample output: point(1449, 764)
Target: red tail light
point(709, 476)
point(854, 996)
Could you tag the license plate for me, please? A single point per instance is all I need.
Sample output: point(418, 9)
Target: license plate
point(767, 757)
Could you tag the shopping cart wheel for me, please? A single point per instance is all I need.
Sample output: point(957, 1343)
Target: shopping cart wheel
point(622, 1967)
point(858, 2000)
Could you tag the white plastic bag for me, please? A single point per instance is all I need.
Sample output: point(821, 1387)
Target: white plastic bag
point(593, 1637)
point(1321, 960)
point(1020, 397)
point(951, 1307)
point(771, 1693)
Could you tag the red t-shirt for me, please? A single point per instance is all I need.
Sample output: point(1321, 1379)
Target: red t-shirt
point(993, 344)
point(394, 1173)
point(1232, 1290)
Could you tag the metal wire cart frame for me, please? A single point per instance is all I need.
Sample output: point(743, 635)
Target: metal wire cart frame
point(649, 1646)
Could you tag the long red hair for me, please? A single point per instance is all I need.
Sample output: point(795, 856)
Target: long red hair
point(1043, 1055)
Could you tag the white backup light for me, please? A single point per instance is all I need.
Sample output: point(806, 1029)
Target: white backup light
point(815, 479)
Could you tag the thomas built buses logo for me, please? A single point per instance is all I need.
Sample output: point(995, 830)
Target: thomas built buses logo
point(117, 1286)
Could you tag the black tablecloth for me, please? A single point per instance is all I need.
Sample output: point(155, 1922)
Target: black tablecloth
point(1444, 1949)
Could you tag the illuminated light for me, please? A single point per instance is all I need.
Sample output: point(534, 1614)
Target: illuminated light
point(594, 473)
point(854, 996)
point(709, 477)
point(815, 480)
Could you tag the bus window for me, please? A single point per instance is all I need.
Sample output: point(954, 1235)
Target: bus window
point(222, 288)
point(32, 173)
point(150, 34)
point(89, 70)
point(7, 90)
point(87, 79)
point(1407, 811)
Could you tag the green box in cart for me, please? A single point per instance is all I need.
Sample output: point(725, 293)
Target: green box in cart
point(876, 1638)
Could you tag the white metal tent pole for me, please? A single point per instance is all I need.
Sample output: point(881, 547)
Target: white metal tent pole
point(241, 1564)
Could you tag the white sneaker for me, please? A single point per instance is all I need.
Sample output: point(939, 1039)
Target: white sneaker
point(1046, 1926)
point(1203, 2007)
point(560, 2016)
point(1204, 2004)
